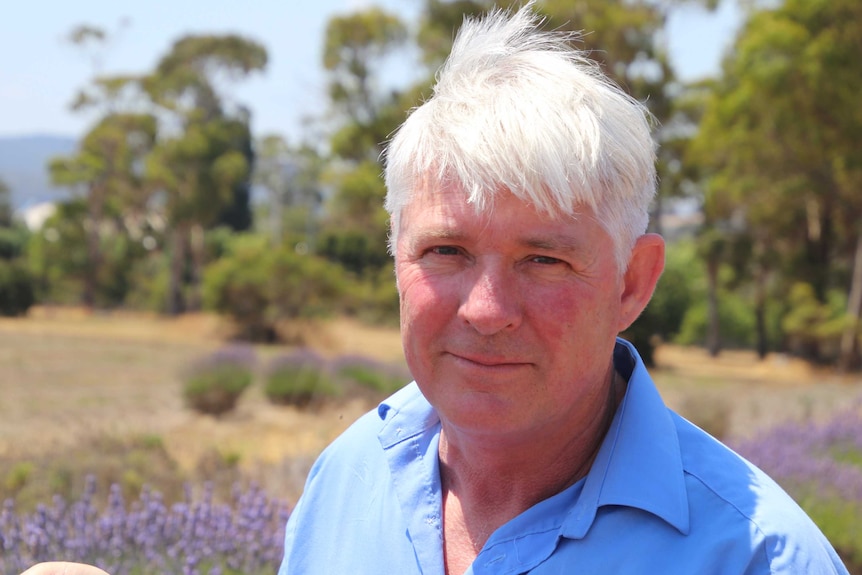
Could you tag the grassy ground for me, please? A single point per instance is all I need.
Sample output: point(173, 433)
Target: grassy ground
point(83, 393)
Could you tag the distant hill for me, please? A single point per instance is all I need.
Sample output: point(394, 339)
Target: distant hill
point(23, 166)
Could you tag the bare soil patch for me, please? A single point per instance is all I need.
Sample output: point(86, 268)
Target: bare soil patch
point(69, 378)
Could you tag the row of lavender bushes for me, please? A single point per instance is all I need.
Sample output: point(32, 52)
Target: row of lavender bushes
point(820, 465)
point(197, 536)
point(302, 377)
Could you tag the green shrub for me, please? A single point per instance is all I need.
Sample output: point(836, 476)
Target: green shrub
point(300, 379)
point(215, 383)
point(260, 287)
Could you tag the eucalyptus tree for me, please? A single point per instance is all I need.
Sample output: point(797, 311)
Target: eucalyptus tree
point(203, 159)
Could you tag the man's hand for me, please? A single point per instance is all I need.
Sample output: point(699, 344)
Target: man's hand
point(63, 568)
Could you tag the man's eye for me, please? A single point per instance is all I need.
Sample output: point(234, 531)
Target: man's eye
point(545, 260)
point(445, 251)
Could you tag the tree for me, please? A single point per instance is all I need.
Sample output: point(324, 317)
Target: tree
point(779, 142)
point(107, 169)
point(204, 166)
point(291, 177)
point(355, 48)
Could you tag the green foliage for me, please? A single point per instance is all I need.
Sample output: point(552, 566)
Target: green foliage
point(838, 519)
point(353, 45)
point(439, 21)
point(17, 291)
point(17, 286)
point(814, 328)
point(35, 479)
point(736, 321)
point(674, 294)
point(5, 205)
point(237, 214)
point(375, 299)
point(18, 477)
point(299, 379)
point(215, 383)
point(261, 288)
point(355, 251)
point(377, 377)
point(148, 284)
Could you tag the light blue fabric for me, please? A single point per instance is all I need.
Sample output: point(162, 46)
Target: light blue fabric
point(661, 497)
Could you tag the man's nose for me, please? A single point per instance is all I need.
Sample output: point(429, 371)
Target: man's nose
point(491, 301)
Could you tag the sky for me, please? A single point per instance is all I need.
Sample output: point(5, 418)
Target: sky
point(40, 71)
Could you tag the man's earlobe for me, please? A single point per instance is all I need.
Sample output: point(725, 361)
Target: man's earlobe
point(645, 267)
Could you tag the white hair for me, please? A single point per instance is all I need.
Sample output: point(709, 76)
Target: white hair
point(519, 109)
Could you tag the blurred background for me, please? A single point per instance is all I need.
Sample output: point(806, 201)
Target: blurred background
point(194, 283)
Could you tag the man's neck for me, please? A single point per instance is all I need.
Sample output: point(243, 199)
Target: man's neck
point(488, 481)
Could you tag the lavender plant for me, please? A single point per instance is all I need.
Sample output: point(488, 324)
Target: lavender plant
point(215, 383)
point(299, 378)
point(820, 465)
point(192, 537)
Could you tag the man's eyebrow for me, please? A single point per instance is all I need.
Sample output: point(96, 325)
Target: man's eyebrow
point(557, 242)
point(439, 234)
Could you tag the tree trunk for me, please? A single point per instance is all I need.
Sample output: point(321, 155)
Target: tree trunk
point(176, 300)
point(91, 268)
point(849, 357)
point(760, 277)
point(760, 326)
point(197, 249)
point(713, 337)
point(92, 225)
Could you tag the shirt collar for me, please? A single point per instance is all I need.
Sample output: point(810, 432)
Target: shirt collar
point(639, 463)
point(405, 414)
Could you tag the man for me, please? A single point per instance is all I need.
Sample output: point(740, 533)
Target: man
point(532, 440)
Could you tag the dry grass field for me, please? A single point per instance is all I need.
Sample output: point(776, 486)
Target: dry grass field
point(103, 391)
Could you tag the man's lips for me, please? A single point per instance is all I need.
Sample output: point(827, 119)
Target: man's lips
point(489, 360)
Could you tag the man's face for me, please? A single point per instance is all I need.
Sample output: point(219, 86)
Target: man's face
point(508, 318)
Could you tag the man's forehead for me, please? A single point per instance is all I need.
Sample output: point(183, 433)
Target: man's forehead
point(445, 215)
point(451, 199)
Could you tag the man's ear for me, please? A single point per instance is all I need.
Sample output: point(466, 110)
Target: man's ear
point(645, 266)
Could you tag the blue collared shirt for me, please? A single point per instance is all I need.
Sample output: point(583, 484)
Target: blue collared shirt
point(662, 497)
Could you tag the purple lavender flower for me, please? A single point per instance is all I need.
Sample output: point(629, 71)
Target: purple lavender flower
point(194, 536)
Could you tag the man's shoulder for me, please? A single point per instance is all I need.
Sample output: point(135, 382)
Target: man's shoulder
point(727, 475)
point(731, 494)
point(361, 441)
